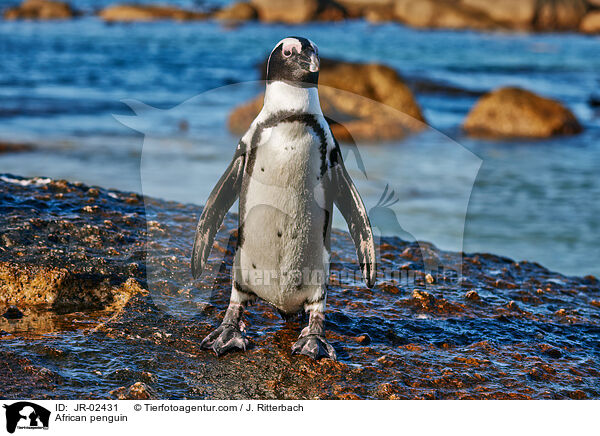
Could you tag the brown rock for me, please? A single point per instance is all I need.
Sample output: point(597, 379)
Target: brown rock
point(137, 391)
point(39, 10)
point(237, 12)
point(512, 13)
point(15, 147)
point(351, 96)
point(60, 289)
point(380, 14)
point(555, 15)
point(514, 112)
point(590, 22)
point(13, 312)
point(132, 12)
point(441, 13)
point(360, 8)
point(472, 295)
point(286, 11)
point(298, 11)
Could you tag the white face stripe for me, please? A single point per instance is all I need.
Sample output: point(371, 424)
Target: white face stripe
point(289, 43)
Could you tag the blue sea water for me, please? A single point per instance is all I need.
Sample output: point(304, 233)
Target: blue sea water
point(62, 83)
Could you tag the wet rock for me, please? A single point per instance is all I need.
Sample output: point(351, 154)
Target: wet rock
point(364, 339)
point(61, 289)
point(134, 12)
point(240, 11)
point(40, 10)
point(13, 312)
point(385, 390)
point(473, 296)
point(62, 264)
point(364, 102)
point(137, 391)
point(442, 13)
point(513, 306)
point(578, 395)
point(20, 378)
point(590, 23)
point(514, 112)
point(298, 11)
point(555, 353)
point(427, 302)
point(430, 345)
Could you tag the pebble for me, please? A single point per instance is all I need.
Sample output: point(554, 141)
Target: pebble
point(13, 312)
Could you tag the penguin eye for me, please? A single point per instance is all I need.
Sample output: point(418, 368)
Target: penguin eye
point(287, 53)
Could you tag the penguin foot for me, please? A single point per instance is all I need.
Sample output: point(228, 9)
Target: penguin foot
point(315, 346)
point(225, 338)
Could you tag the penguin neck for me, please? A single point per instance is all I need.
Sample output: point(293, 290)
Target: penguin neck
point(281, 96)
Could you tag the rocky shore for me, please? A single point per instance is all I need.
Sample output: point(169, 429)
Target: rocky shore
point(88, 315)
point(504, 15)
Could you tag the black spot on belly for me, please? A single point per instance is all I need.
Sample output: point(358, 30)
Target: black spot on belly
point(279, 233)
point(262, 169)
point(253, 266)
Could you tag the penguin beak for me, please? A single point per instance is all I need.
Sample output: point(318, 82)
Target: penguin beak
point(314, 63)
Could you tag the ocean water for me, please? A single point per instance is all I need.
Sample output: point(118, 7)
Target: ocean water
point(66, 86)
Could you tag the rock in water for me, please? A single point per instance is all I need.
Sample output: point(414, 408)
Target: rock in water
point(590, 22)
point(39, 10)
point(442, 13)
point(237, 12)
point(135, 12)
point(516, 14)
point(559, 15)
point(298, 11)
point(515, 112)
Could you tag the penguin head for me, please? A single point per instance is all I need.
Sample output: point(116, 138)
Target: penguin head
point(294, 60)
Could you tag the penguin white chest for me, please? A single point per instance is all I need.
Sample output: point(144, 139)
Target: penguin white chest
point(283, 219)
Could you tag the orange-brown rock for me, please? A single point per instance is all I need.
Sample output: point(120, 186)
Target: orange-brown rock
point(134, 12)
point(590, 22)
point(447, 14)
point(382, 9)
point(240, 11)
point(514, 112)
point(39, 10)
point(557, 15)
point(518, 14)
point(367, 102)
point(298, 11)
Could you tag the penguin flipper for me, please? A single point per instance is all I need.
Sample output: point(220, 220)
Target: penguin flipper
point(222, 197)
point(348, 201)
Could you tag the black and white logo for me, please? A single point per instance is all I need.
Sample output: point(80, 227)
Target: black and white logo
point(26, 415)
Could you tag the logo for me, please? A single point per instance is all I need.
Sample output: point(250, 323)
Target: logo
point(26, 415)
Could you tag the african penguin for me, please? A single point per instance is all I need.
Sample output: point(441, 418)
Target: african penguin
point(287, 172)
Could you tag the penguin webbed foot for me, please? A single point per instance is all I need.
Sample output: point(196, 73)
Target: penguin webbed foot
point(315, 346)
point(226, 337)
